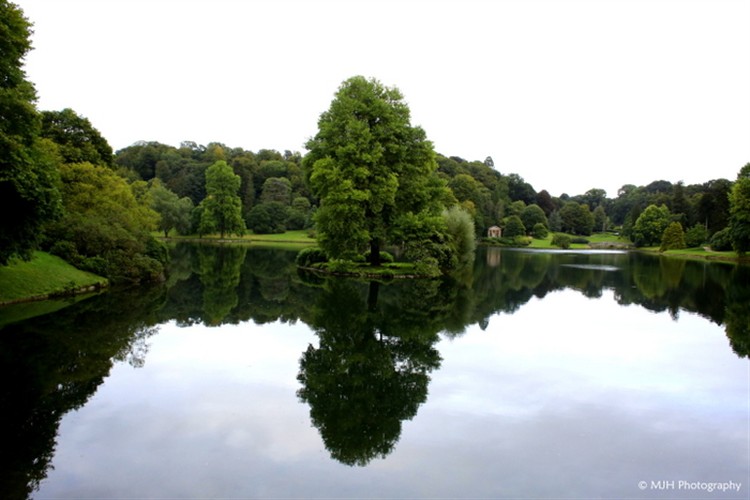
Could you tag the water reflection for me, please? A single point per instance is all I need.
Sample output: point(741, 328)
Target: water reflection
point(376, 343)
point(369, 372)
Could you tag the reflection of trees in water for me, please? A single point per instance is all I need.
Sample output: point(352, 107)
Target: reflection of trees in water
point(53, 364)
point(370, 371)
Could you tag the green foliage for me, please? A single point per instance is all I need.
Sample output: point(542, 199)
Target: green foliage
point(367, 164)
point(222, 207)
point(539, 231)
point(104, 229)
point(268, 218)
point(309, 256)
point(673, 238)
point(76, 138)
point(278, 189)
point(577, 218)
point(600, 219)
point(650, 225)
point(385, 257)
point(739, 212)
point(555, 221)
point(561, 240)
point(721, 241)
point(174, 212)
point(28, 176)
point(696, 236)
point(532, 215)
point(514, 227)
point(459, 229)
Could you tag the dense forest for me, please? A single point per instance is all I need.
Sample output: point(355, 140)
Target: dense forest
point(70, 194)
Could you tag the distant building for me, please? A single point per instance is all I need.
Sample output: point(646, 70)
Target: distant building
point(495, 232)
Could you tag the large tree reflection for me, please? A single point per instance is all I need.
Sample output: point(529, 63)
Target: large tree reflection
point(369, 373)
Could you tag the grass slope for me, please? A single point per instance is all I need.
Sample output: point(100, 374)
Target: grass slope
point(42, 276)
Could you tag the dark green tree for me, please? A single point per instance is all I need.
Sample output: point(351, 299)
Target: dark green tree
point(577, 218)
point(739, 212)
point(532, 215)
point(76, 137)
point(368, 165)
point(28, 175)
point(514, 227)
point(222, 208)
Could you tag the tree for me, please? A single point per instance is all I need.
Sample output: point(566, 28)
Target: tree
point(577, 218)
point(696, 236)
point(368, 165)
point(28, 165)
point(104, 229)
point(174, 212)
point(76, 137)
point(600, 219)
point(222, 207)
point(650, 225)
point(514, 227)
point(739, 212)
point(532, 215)
point(673, 237)
point(268, 218)
point(277, 189)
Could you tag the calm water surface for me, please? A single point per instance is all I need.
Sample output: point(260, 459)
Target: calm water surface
point(532, 375)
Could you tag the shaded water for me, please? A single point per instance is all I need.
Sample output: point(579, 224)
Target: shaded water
point(534, 374)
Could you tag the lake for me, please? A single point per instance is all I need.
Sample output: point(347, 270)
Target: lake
point(529, 375)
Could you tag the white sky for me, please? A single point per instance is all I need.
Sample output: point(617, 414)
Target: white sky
point(570, 94)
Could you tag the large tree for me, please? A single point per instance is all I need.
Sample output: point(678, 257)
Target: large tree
point(222, 207)
point(739, 211)
point(76, 137)
point(28, 175)
point(369, 165)
point(650, 225)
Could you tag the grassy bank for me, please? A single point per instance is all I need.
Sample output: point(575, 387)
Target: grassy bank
point(287, 239)
point(43, 276)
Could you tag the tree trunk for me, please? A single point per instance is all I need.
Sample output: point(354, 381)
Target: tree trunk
point(375, 252)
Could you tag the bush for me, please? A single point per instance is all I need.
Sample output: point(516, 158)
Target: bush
point(721, 241)
point(696, 236)
point(309, 256)
point(539, 231)
point(514, 227)
point(561, 240)
point(673, 237)
point(580, 240)
point(385, 257)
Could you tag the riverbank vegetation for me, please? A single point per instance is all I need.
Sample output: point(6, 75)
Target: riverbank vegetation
point(44, 276)
point(369, 180)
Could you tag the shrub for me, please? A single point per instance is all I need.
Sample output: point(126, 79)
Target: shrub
point(539, 231)
point(309, 256)
point(673, 237)
point(721, 241)
point(561, 240)
point(385, 257)
point(696, 236)
point(579, 239)
point(514, 227)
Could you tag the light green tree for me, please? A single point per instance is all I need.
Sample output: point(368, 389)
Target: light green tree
point(673, 237)
point(369, 165)
point(174, 212)
point(650, 225)
point(222, 207)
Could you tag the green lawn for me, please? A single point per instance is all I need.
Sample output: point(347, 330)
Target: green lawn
point(297, 237)
point(43, 275)
point(594, 238)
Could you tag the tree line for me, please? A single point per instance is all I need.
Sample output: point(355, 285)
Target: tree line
point(370, 179)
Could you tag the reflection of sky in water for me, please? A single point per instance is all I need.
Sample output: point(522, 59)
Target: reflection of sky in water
point(567, 398)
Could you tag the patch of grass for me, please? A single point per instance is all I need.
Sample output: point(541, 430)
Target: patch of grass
point(42, 276)
point(289, 238)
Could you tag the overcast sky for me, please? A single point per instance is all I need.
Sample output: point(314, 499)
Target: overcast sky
point(571, 95)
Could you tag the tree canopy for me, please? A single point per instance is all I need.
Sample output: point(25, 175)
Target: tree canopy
point(369, 166)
